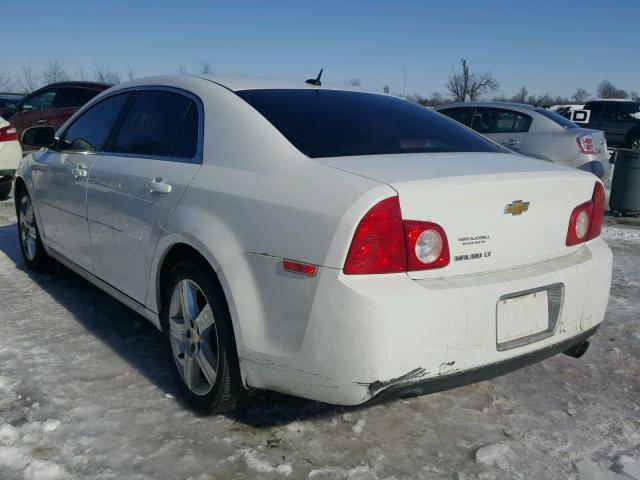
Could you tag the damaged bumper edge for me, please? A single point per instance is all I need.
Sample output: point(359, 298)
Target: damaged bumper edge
point(408, 386)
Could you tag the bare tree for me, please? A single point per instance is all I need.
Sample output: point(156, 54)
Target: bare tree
point(81, 72)
point(386, 89)
point(436, 99)
point(607, 89)
point(205, 67)
point(6, 82)
point(634, 96)
point(54, 72)
point(130, 72)
point(581, 96)
point(104, 74)
point(182, 70)
point(354, 82)
point(28, 79)
point(521, 96)
point(469, 84)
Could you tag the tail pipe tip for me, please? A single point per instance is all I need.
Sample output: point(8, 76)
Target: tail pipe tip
point(577, 350)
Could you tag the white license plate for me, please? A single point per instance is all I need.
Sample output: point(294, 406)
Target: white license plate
point(522, 316)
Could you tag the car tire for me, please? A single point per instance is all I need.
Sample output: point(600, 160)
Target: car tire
point(201, 344)
point(5, 187)
point(31, 247)
point(634, 144)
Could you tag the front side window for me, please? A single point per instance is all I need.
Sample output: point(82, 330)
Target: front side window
point(40, 101)
point(74, 97)
point(333, 123)
point(495, 120)
point(152, 123)
point(459, 114)
point(89, 132)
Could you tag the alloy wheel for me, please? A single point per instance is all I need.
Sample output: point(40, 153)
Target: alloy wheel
point(193, 337)
point(28, 229)
point(635, 145)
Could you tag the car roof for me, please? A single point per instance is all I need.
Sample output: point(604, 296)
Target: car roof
point(80, 84)
point(237, 84)
point(523, 106)
point(602, 100)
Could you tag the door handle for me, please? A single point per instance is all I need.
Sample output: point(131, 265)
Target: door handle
point(158, 185)
point(42, 121)
point(511, 143)
point(80, 171)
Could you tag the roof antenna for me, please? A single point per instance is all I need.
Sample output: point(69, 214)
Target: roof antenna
point(315, 81)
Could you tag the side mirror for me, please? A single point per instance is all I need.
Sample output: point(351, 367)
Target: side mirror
point(39, 136)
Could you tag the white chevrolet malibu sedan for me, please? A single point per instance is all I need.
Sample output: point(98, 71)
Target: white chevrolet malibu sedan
point(335, 245)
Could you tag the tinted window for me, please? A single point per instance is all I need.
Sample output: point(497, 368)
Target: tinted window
point(89, 132)
point(557, 118)
point(40, 101)
point(185, 144)
point(458, 114)
point(495, 120)
point(151, 123)
point(622, 112)
point(74, 97)
point(330, 123)
point(595, 108)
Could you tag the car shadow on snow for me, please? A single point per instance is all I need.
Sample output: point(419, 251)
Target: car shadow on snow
point(138, 342)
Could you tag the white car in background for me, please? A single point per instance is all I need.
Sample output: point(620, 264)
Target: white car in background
point(10, 156)
point(335, 245)
point(536, 132)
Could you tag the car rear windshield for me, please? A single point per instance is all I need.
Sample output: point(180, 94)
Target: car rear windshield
point(334, 123)
point(556, 117)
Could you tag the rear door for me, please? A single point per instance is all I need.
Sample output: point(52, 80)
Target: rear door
point(133, 188)
point(61, 180)
point(506, 127)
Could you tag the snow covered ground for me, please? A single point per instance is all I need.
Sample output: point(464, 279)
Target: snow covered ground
point(85, 394)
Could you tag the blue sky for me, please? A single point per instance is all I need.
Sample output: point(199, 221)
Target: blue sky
point(548, 46)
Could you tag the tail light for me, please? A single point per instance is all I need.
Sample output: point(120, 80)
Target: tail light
point(585, 222)
point(8, 134)
point(385, 243)
point(586, 144)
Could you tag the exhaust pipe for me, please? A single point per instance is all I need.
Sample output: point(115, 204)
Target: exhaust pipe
point(577, 350)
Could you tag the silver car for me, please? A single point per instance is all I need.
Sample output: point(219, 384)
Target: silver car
point(535, 132)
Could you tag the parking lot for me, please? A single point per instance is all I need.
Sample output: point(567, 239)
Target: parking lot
point(85, 393)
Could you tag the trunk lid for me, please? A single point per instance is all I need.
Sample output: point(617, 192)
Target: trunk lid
point(478, 199)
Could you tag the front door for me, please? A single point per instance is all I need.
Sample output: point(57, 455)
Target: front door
point(34, 111)
point(61, 180)
point(134, 188)
point(61, 190)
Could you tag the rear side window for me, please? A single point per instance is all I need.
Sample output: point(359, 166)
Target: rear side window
point(151, 124)
point(496, 120)
point(332, 123)
point(185, 144)
point(458, 114)
point(557, 118)
point(89, 132)
point(74, 97)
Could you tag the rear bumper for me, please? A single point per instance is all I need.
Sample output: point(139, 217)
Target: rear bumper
point(399, 388)
point(359, 336)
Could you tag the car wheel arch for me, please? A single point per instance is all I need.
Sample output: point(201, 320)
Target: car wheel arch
point(632, 135)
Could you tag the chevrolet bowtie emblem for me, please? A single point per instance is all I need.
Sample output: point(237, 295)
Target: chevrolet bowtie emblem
point(517, 207)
